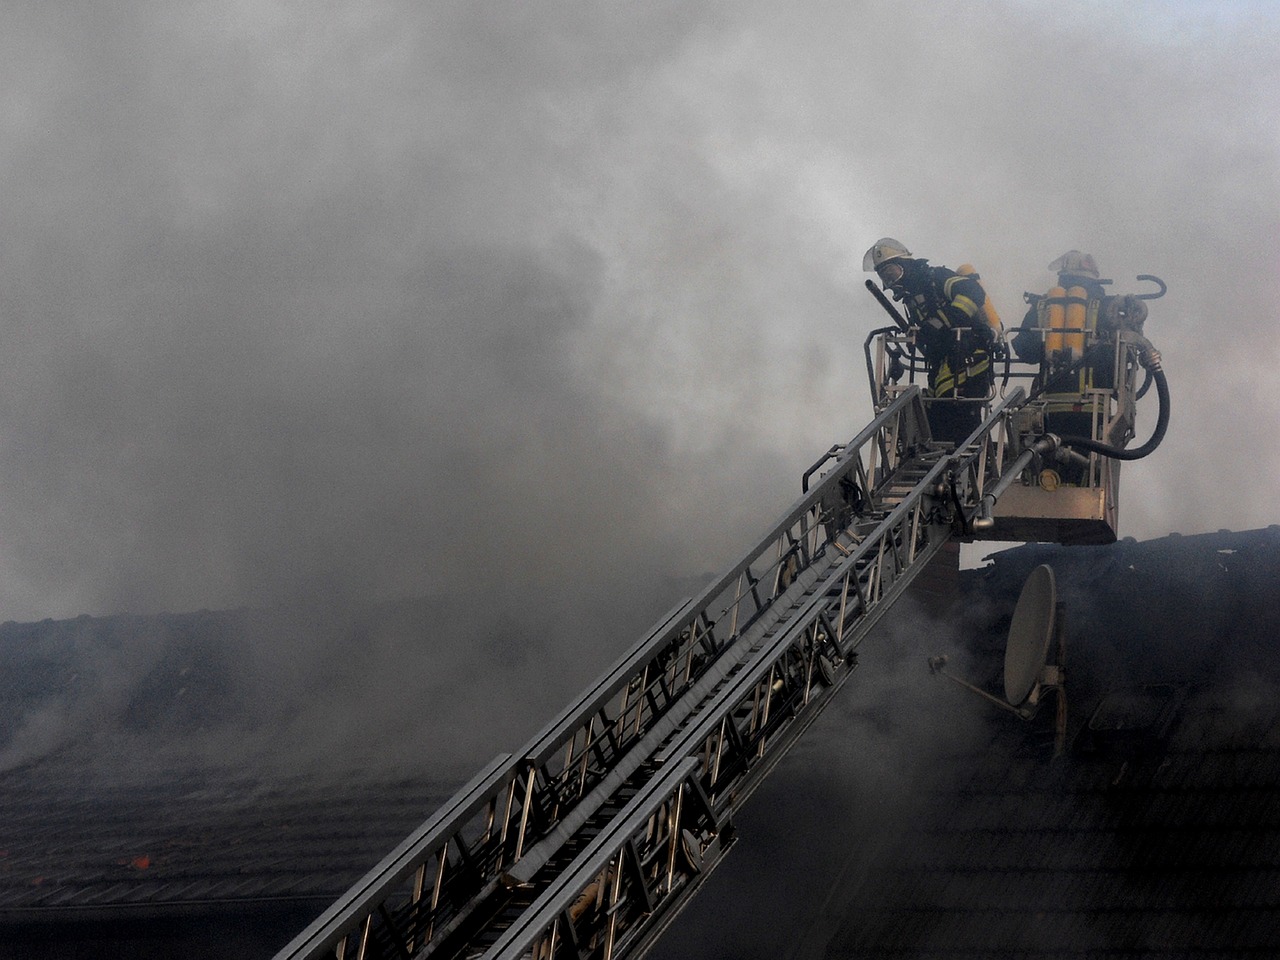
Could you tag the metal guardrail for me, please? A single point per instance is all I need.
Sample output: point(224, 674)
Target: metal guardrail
point(451, 835)
point(647, 855)
point(725, 682)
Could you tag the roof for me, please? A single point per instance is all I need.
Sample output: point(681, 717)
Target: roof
point(1157, 831)
point(176, 765)
point(73, 847)
point(913, 820)
point(918, 820)
point(1118, 849)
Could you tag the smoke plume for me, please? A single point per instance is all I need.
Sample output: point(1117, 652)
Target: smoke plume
point(380, 301)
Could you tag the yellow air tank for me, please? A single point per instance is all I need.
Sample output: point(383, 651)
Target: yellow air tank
point(988, 308)
point(1077, 299)
point(1053, 338)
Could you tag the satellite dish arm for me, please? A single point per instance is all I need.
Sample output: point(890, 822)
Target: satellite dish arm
point(937, 665)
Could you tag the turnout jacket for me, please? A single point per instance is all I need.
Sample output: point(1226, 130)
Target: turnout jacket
point(952, 334)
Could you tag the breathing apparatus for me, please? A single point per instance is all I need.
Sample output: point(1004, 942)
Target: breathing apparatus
point(1118, 316)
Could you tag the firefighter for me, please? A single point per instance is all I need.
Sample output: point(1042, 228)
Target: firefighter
point(1075, 270)
point(1061, 333)
point(944, 309)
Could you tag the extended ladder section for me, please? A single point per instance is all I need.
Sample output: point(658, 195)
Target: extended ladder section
point(589, 841)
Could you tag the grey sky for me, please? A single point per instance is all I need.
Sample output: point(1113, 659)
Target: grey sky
point(361, 299)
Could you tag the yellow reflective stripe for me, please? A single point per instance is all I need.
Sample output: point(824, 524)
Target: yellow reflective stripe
point(1084, 381)
point(964, 303)
point(945, 382)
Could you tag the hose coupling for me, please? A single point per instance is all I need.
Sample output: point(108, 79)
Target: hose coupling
point(984, 520)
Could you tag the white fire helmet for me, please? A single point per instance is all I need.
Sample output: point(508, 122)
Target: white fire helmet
point(882, 251)
point(1076, 264)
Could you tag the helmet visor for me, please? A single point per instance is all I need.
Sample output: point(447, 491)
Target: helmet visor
point(889, 272)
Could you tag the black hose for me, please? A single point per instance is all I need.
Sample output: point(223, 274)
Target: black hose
point(1158, 282)
point(889, 308)
point(1118, 453)
point(1146, 385)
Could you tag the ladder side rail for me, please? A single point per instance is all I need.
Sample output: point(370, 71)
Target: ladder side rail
point(769, 705)
point(704, 691)
point(776, 700)
point(532, 785)
point(569, 771)
point(552, 738)
point(910, 528)
point(954, 464)
point(633, 696)
point(790, 662)
point(689, 698)
point(907, 524)
point(620, 876)
point(776, 689)
point(385, 884)
point(905, 444)
point(984, 466)
point(523, 793)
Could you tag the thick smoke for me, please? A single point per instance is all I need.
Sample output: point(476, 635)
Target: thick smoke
point(540, 311)
point(368, 300)
point(858, 776)
point(425, 687)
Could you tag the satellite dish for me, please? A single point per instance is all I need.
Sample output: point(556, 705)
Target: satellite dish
point(1027, 674)
point(1029, 635)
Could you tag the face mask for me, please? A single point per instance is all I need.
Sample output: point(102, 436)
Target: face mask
point(890, 273)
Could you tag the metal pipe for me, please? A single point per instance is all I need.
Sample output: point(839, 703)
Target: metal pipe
point(984, 519)
point(937, 666)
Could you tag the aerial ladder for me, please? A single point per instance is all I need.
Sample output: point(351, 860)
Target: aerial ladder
point(589, 840)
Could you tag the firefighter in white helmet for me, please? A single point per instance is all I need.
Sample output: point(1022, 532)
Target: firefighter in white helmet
point(1076, 271)
point(944, 309)
point(1069, 332)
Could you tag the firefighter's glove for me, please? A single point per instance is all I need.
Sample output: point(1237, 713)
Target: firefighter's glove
point(983, 335)
point(896, 369)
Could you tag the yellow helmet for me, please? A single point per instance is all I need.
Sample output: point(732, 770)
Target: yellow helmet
point(882, 251)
